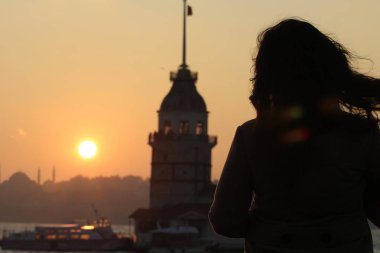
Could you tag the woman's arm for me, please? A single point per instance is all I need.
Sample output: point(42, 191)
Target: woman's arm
point(229, 211)
point(372, 191)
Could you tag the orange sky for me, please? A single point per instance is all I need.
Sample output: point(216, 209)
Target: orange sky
point(98, 69)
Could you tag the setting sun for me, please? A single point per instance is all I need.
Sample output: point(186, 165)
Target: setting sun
point(87, 149)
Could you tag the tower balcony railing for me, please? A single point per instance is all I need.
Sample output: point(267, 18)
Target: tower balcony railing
point(161, 136)
point(174, 75)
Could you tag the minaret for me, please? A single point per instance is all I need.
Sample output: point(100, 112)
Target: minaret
point(181, 148)
point(53, 175)
point(39, 176)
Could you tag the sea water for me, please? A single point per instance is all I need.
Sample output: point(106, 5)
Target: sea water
point(18, 227)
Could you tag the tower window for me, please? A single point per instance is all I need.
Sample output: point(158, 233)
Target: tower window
point(199, 128)
point(184, 127)
point(167, 127)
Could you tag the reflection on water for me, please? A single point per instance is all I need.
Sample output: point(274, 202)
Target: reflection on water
point(123, 229)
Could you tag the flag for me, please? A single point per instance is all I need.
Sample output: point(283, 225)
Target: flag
point(189, 11)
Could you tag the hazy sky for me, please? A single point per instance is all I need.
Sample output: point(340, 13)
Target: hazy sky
point(77, 69)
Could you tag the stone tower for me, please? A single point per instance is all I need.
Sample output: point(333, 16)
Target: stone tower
point(181, 148)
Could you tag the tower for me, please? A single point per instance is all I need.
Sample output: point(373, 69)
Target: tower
point(181, 147)
point(181, 190)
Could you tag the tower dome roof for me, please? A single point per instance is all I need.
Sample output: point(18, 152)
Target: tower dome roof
point(183, 95)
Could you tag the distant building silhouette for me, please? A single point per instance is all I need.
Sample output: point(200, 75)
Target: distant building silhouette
point(23, 200)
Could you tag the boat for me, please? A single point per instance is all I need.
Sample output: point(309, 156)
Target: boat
point(96, 236)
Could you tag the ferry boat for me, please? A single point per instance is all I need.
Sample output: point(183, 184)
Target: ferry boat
point(97, 236)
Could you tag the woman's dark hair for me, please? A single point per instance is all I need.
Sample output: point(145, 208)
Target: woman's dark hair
point(296, 64)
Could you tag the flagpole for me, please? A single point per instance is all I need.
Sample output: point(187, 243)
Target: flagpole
point(184, 65)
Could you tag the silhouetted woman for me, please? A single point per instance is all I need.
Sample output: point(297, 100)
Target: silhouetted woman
point(305, 174)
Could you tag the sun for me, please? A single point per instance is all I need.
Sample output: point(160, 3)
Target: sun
point(87, 149)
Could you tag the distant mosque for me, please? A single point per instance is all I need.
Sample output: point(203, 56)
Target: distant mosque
point(181, 190)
